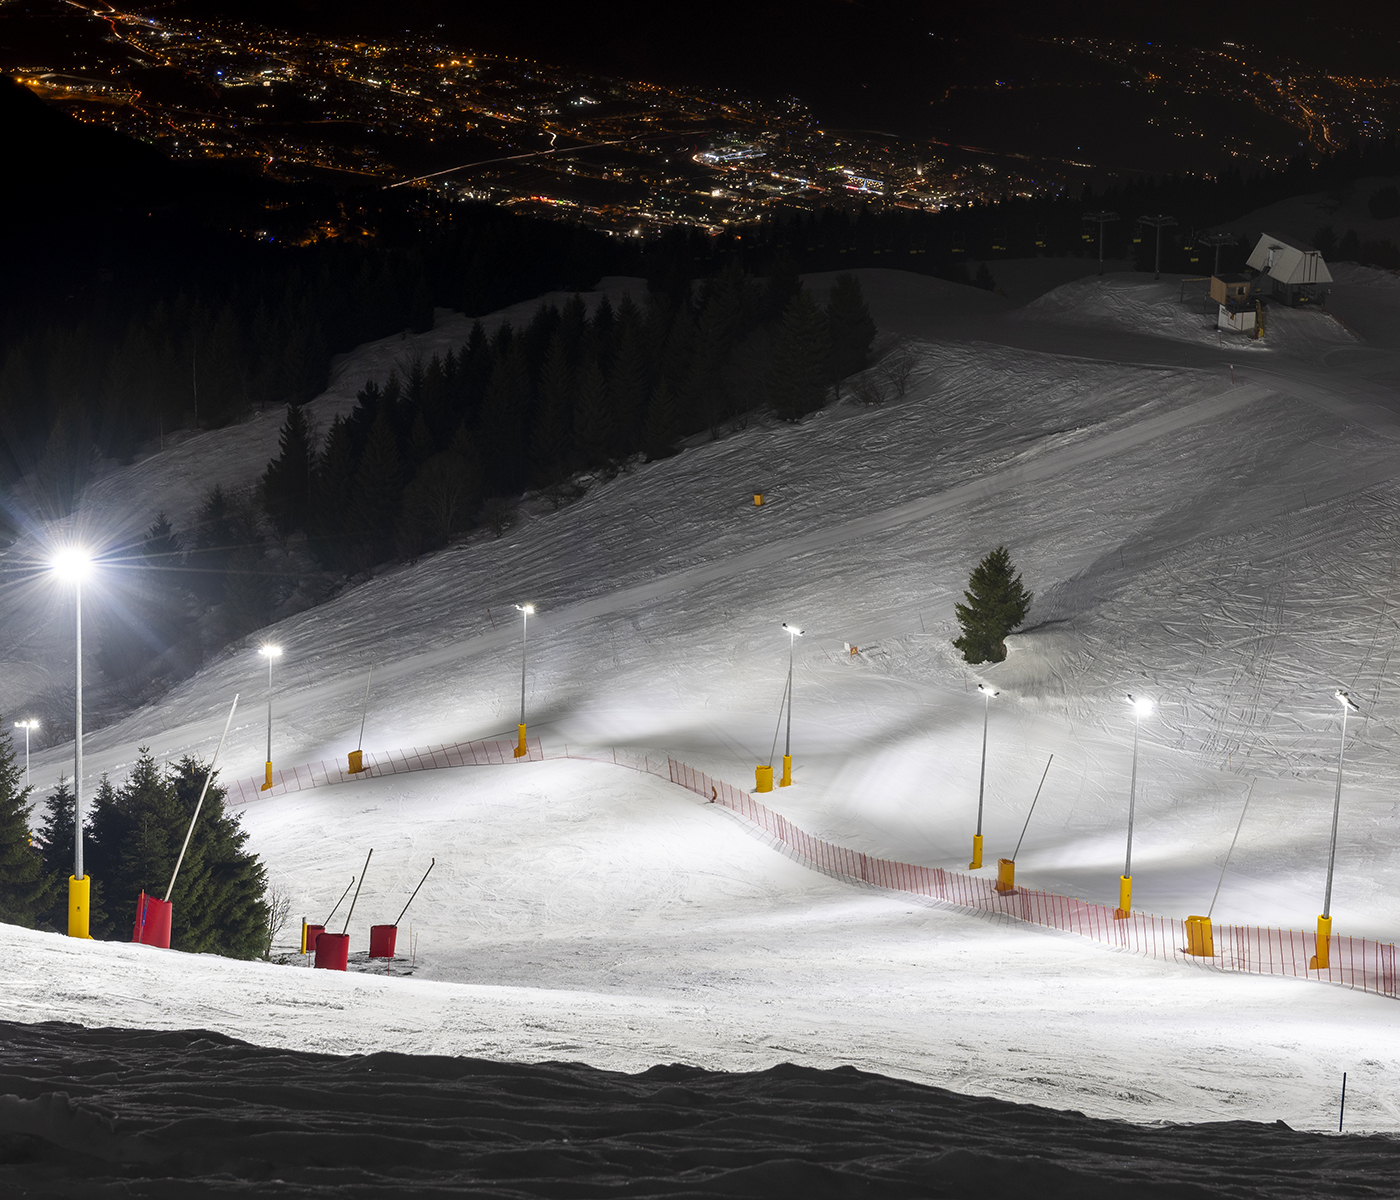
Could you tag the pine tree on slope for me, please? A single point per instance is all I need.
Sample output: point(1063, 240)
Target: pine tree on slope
point(798, 376)
point(287, 481)
point(24, 887)
point(852, 330)
point(996, 603)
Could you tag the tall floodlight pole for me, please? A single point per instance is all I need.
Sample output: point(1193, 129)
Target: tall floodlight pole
point(987, 693)
point(1100, 219)
point(525, 611)
point(1141, 707)
point(1159, 222)
point(26, 726)
point(793, 634)
point(270, 653)
point(73, 566)
point(1324, 922)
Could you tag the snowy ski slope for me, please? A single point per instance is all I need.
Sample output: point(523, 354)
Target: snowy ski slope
point(1224, 548)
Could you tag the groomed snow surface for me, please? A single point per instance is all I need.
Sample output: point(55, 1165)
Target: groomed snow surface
point(1226, 549)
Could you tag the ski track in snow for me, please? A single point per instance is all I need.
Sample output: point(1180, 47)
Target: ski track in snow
point(1225, 549)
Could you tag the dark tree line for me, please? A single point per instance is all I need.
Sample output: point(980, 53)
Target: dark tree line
point(131, 841)
point(419, 458)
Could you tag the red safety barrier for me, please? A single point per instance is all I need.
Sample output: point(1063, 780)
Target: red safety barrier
point(382, 939)
point(333, 951)
point(1354, 962)
point(152, 926)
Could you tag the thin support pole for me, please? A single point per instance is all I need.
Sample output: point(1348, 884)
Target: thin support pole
point(787, 745)
point(1027, 825)
point(1336, 814)
point(524, 640)
point(78, 741)
point(269, 708)
point(421, 882)
point(773, 749)
point(982, 780)
point(1231, 851)
point(364, 709)
point(1132, 799)
point(202, 791)
point(351, 911)
point(1342, 1112)
point(339, 902)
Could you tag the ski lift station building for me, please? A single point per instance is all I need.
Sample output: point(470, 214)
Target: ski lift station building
point(1290, 272)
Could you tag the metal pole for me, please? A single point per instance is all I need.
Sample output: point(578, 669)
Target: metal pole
point(981, 783)
point(1336, 813)
point(356, 900)
point(364, 709)
point(1101, 247)
point(787, 745)
point(209, 775)
point(269, 708)
point(1132, 797)
point(524, 640)
point(1158, 274)
point(78, 744)
point(27, 782)
point(421, 882)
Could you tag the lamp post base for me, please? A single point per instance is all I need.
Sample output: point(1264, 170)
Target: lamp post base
point(1320, 960)
point(976, 862)
point(267, 777)
point(786, 780)
point(79, 899)
point(1125, 898)
point(520, 750)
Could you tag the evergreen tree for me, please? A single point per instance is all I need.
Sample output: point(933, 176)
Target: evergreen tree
point(55, 845)
point(629, 381)
point(332, 491)
point(378, 494)
point(851, 329)
point(214, 542)
point(553, 432)
point(799, 372)
point(440, 501)
point(660, 430)
point(287, 481)
point(996, 604)
point(503, 414)
point(26, 890)
point(219, 896)
point(595, 423)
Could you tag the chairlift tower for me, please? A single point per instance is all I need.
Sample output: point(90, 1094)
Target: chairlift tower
point(1100, 219)
point(1217, 240)
point(1159, 222)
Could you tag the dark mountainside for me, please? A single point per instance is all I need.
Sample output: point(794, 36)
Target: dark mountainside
point(159, 1114)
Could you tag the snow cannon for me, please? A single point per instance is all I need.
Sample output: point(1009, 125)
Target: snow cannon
point(1006, 875)
point(1200, 941)
point(332, 951)
point(763, 778)
point(152, 927)
point(383, 938)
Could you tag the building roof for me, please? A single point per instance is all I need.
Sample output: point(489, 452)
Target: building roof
point(1289, 261)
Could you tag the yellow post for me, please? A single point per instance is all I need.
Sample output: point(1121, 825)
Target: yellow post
point(786, 780)
point(267, 779)
point(79, 895)
point(763, 778)
point(976, 852)
point(758, 499)
point(520, 750)
point(1006, 874)
point(303, 935)
point(1324, 938)
point(1125, 898)
point(357, 764)
point(1200, 940)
